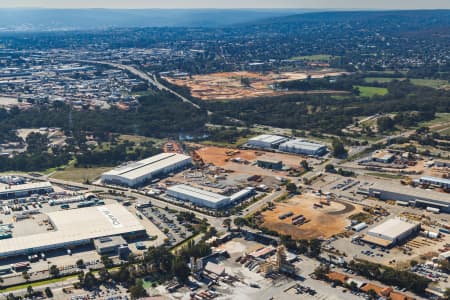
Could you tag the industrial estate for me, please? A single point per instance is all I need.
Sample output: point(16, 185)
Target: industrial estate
point(300, 157)
point(138, 205)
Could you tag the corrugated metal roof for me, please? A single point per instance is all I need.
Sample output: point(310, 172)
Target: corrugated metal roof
point(301, 144)
point(76, 225)
point(392, 228)
point(436, 179)
point(198, 193)
point(413, 192)
point(149, 165)
point(25, 187)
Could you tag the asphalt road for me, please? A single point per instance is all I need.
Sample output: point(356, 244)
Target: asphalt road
point(146, 77)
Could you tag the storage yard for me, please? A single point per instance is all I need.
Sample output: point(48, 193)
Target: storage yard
point(324, 221)
point(223, 157)
point(229, 85)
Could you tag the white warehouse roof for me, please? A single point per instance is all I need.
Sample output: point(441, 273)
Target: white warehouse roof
point(73, 226)
point(301, 144)
point(198, 193)
point(268, 138)
point(392, 228)
point(25, 187)
point(146, 166)
point(436, 179)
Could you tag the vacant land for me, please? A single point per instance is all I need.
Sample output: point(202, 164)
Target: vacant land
point(323, 222)
point(245, 85)
point(80, 175)
point(370, 91)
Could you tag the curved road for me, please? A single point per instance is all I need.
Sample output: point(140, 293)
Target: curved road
point(146, 77)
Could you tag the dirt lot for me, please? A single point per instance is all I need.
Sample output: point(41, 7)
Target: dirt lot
point(172, 147)
point(229, 85)
point(218, 156)
point(324, 222)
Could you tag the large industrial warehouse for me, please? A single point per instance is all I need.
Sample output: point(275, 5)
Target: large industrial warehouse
point(413, 196)
point(435, 181)
point(74, 228)
point(197, 196)
point(303, 147)
point(391, 232)
point(266, 141)
point(24, 190)
point(138, 173)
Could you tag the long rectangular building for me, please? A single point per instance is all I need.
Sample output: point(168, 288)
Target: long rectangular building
point(391, 232)
point(266, 141)
point(198, 196)
point(435, 181)
point(413, 196)
point(303, 147)
point(138, 173)
point(24, 190)
point(75, 227)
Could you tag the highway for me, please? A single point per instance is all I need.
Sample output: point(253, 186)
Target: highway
point(213, 221)
point(144, 76)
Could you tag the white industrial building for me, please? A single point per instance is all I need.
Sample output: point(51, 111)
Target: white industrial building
point(198, 196)
point(303, 147)
point(266, 141)
point(359, 227)
point(391, 232)
point(435, 181)
point(138, 173)
point(75, 227)
point(412, 196)
point(25, 190)
point(242, 195)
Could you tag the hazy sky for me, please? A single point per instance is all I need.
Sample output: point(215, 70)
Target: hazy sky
point(381, 4)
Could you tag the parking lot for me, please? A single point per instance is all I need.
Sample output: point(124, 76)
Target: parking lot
point(167, 222)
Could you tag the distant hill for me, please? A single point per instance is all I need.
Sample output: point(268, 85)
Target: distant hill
point(92, 19)
point(391, 20)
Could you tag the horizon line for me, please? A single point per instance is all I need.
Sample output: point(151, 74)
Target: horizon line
point(223, 8)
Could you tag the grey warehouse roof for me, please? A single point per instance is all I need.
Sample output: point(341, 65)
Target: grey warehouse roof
point(77, 225)
point(198, 193)
point(25, 187)
point(436, 179)
point(146, 166)
point(301, 144)
point(413, 192)
point(268, 138)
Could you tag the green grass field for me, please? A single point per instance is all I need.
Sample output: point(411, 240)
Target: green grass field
point(79, 174)
point(370, 91)
point(317, 57)
point(380, 79)
point(433, 83)
point(440, 118)
point(239, 141)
